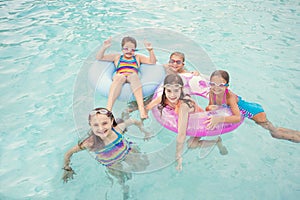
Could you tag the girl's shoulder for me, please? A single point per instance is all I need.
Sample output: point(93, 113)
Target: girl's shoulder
point(231, 97)
point(120, 128)
point(187, 100)
point(117, 57)
point(139, 57)
point(230, 94)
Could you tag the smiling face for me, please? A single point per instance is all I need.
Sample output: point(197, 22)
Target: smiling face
point(173, 92)
point(218, 84)
point(101, 125)
point(128, 49)
point(176, 63)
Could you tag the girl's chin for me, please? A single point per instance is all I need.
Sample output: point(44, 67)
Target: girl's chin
point(128, 55)
point(173, 101)
point(175, 69)
point(217, 92)
point(102, 135)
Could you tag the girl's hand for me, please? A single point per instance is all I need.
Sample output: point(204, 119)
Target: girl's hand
point(148, 45)
point(179, 164)
point(213, 121)
point(68, 174)
point(212, 107)
point(107, 43)
point(195, 73)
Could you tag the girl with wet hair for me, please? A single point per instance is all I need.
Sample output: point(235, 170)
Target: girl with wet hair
point(173, 97)
point(109, 147)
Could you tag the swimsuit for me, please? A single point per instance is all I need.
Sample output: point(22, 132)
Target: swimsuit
point(127, 67)
point(247, 109)
point(113, 152)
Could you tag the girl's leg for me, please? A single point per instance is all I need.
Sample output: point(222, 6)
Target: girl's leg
point(277, 132)
point(195, 142)
point(115, 90)
point(136, 87)
point(122, 177)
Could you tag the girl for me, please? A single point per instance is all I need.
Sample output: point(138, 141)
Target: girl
point(176, 64)
point(219, 95)
point(106, 141)
point(127, 66)
point(174, 98)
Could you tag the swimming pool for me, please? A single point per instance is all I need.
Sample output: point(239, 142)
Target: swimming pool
point(45, 44)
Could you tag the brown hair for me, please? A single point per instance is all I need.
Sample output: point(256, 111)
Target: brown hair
point(179, 54)
point(128, 39)
point(221, 73)
point(173, 79)
point(97, 141)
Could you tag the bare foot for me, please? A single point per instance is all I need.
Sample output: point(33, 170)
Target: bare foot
point(221, 147)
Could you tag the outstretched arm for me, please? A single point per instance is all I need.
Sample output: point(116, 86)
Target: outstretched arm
point(152, 58)
point(182, 126)
point(101, 53)
point(213, 121)
point(68, 171)
point(153, 103)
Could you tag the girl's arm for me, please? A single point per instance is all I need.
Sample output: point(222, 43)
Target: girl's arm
point(148, 60)
point(69, 153)
point(101, 53)
point(213, 121)
point(153, 103)
point(68, 171)
point(236, 115)
point(182, 126)
point(211, 105)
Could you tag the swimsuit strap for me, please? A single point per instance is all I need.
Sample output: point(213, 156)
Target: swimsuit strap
point(223, 100)
point(121, 57)
point(118, 134)
point(215, 99)
point(224, 97)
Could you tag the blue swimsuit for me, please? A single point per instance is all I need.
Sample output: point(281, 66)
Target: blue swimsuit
point(247, 109)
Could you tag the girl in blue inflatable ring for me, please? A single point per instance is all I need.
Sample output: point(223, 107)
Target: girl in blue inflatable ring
point(127, 66)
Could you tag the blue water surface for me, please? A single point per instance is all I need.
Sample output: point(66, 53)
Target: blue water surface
point(45, 44)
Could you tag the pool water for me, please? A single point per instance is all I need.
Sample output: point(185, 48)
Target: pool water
point(45, 45)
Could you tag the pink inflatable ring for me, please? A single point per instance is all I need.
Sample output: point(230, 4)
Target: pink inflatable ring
point(194, 85)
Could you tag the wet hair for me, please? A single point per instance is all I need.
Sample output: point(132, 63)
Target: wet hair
point(173, 79)
point(221, 73)
point(179, 54)
point(97, 141)
point(128, 39)
point(108, 114)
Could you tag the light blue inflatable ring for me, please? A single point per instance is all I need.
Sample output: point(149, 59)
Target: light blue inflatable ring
point(101, 73)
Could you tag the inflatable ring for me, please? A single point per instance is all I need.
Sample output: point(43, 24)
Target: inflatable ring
point(194, 85)
point(101, 73)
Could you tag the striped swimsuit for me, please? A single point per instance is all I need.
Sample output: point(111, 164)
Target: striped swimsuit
point(127, 67)
point(113, 152)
